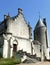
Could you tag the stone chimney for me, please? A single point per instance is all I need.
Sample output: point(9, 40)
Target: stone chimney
point(6, 16)
point(44, 21)
point(19, 11)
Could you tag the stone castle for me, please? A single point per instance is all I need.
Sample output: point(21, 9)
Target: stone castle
point(16, 35)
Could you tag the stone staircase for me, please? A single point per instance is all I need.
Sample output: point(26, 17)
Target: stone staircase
point(27, 58)
point(30, 60)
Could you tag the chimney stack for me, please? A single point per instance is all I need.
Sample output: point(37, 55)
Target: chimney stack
point(7, 16)
point(44, 21)
point(19, 10)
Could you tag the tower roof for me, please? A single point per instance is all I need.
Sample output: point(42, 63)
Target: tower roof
point(39, 23)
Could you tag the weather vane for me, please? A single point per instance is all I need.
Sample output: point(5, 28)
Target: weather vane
point(39, 15)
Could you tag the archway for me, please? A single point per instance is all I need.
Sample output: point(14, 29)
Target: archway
point(15, 43)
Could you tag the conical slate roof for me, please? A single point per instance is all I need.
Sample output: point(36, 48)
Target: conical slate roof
point(39, 24)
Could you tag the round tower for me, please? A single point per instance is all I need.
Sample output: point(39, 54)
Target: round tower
point(8, 25)
point(40, 34)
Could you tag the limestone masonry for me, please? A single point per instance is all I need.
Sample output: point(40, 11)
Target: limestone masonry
point(16, 35)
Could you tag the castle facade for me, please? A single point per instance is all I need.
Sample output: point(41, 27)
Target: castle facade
point(16, 35)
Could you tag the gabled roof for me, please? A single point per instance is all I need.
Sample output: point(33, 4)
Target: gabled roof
point(39, 24)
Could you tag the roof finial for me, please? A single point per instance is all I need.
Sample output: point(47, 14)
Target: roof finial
point(8, 14)
point(39, 15)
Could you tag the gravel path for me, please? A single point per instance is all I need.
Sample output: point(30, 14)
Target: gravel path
point(39, 63)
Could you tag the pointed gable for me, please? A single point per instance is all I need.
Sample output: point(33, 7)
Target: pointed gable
point(19, 27)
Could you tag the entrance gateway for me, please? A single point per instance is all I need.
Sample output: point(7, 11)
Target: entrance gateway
point(14, 47)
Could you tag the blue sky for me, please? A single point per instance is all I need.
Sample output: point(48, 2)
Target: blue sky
point(31, 9)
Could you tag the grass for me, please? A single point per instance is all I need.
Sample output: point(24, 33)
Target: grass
point(9, 61)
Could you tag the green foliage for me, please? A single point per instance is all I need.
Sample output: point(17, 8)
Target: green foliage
point(0, 55)
point(9, 61)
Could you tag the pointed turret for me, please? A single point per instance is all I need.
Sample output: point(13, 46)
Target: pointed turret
point(39, 24)
point(40, 34)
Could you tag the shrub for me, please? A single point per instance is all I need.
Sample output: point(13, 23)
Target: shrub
point(17, 61)
point(0, 55)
